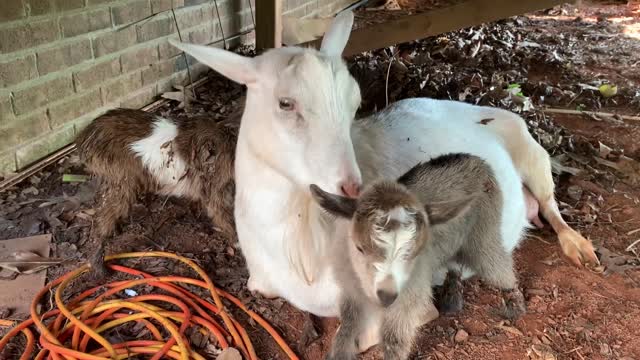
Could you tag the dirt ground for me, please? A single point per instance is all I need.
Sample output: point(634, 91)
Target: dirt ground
point(552, 59)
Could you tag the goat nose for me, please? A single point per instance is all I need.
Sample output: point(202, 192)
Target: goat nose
point(350, 189)
point(386, 298)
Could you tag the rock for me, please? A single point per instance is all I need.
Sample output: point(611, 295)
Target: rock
point(461, 336)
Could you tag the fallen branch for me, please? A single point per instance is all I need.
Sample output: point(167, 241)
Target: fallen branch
point(591, 113)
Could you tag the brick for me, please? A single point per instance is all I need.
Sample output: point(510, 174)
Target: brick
point(64, 56)
point(44, 146)
point(153, 29)
point(64, 5)
point(140, 99)
point(203, 35)
point(178, 4)
point(7, 163)
point(98, 2)
point(12, 10)
point(96, 74)
point(121, 87)
point(135, 59)
point(189, 17)
point(160, 5)
point(194, 2)
point(18, 70)
point(74, 107)
point(42, 94)
point(114, 41)
point(23, 129)
point(27, 35)
point(167, 50)
point(84, 22)
point(39, 7)
point(130, 12)
point(157, 71)
point(6, 109)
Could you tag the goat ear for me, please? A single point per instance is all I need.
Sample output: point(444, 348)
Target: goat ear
point(336, 205)
point(236, 67)
point(336, 37)
point(442, 211)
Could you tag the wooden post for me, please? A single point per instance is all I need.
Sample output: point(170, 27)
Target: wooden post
point(268, 24)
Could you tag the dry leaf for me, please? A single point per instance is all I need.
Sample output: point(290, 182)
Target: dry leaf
point(614, 262)
point(541, 352)
point(25, 262)
point(229, 354)
point(509, 329)
point(558, 168)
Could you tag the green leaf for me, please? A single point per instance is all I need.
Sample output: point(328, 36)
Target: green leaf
point(74, 178)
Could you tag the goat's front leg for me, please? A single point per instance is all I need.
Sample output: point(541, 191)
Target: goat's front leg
point(402, 322)
point(352, 323)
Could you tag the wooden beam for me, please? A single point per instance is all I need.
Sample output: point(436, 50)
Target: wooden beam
point(438, 21)
point(268, 24)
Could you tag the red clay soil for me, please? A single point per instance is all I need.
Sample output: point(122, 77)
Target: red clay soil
point(572, 313)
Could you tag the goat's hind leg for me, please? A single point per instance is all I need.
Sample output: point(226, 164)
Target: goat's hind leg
point(495, 267)
point(114, 204)
point(449, 297)
point(534, 166)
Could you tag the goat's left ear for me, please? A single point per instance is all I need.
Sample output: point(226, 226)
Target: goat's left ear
point(336, 37)
point(336, 205)
point(442, 211)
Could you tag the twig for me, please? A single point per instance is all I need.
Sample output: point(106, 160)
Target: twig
point(630, 247)
point(590, 113)
point(633, 232)
point(386, 83)
point(538, 238)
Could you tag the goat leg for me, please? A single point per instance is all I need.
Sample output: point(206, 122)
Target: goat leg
point(449, 297)
point(514, 305)
point(98, 270)
point(310, 333)
point(345, 344)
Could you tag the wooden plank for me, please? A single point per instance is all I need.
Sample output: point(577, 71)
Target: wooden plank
point(268, 24)
point(438, 21)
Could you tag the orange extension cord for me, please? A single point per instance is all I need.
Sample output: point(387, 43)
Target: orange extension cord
point(82, 320)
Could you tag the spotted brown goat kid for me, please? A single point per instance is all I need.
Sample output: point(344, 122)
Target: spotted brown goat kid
point(454, 212)
point(134, 152)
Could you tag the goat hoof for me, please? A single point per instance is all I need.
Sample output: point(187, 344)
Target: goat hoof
point(449, 296)
point(310, 333)
point(577, 249)
point(97, 269)
point(514, 305)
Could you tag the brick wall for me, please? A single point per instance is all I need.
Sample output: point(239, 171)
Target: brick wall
point(64, 62)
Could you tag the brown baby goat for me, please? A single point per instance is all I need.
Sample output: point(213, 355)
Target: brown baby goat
point(134, 152)
point(451, 212)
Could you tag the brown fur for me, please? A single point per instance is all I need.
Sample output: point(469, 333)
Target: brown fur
point(457, 212)
point(208, 149)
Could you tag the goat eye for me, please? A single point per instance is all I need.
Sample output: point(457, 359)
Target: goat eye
point(287, 104)
point(359, 248)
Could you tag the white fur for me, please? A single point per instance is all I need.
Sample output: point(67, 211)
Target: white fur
point(160, 159)
point(282, 232)
point(396, 243)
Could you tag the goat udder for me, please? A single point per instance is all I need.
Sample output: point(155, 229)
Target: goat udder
point(533, 207)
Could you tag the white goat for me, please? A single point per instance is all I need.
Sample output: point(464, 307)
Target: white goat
point(297, 129)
